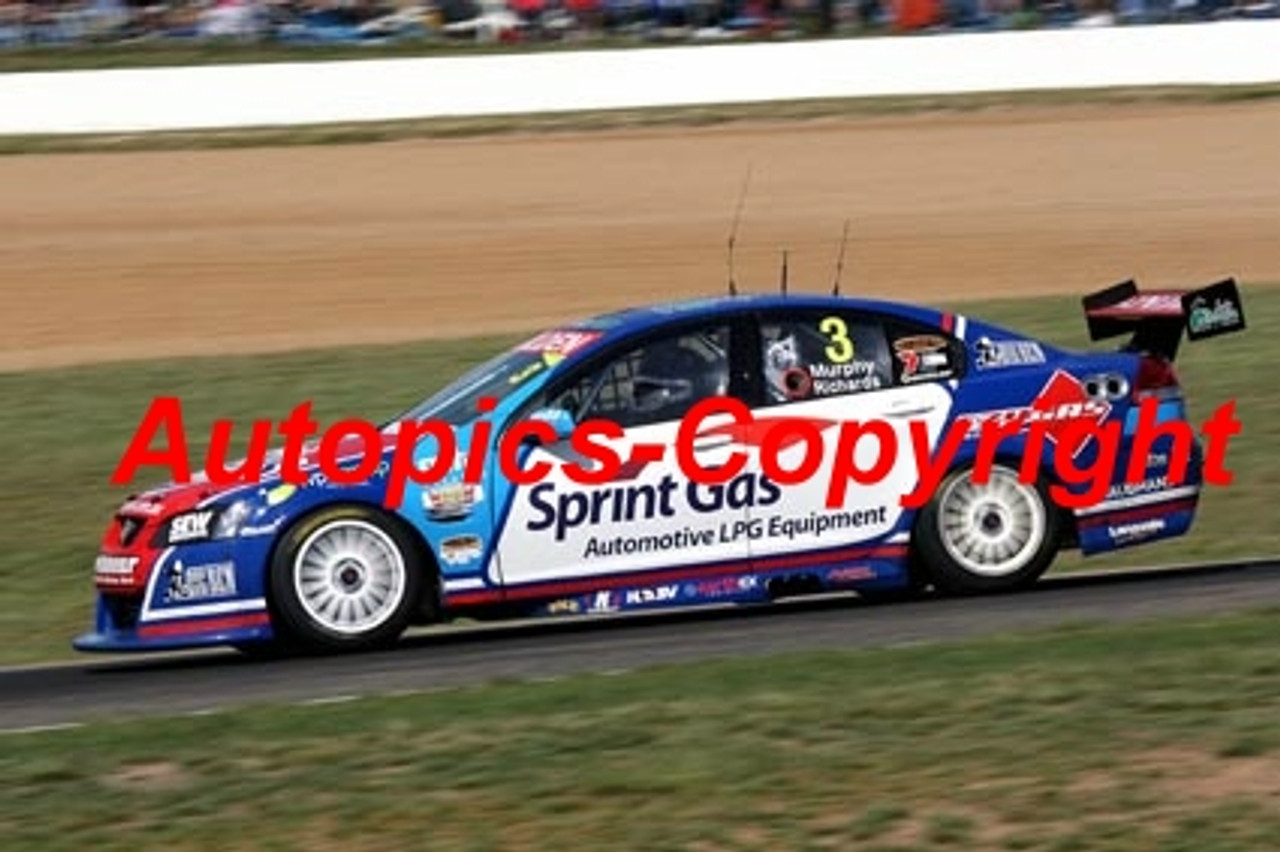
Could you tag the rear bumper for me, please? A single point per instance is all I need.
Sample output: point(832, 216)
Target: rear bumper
point(1138, 520)
point(1160, 505)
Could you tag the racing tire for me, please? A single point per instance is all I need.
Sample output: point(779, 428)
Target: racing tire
point(344, 579)
point(995, 537)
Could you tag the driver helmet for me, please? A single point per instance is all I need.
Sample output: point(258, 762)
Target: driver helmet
point(673, 375)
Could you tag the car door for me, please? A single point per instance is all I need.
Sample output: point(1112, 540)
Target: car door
point(649, 524)
point(832, 368)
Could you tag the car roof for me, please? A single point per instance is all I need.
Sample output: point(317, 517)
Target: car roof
point(636, 319)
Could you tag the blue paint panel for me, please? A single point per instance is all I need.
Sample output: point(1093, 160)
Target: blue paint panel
point(1128, 532)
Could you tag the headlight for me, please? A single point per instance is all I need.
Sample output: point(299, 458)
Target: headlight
point(230, 520)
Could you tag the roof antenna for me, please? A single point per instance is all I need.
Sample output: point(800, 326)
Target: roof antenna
point(844, 240)
point(733, 232)
point(784, 272)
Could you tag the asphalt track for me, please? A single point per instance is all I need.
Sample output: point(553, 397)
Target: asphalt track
point(206, 682)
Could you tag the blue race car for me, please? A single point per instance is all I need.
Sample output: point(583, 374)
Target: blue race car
point(312, 564)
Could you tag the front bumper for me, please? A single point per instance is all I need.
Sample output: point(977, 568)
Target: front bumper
point(121, 626)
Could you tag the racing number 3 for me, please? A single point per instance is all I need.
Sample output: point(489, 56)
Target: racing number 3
point(840, 349)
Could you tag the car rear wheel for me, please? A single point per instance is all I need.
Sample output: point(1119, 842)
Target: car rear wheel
point(345, 579)
point(997, 536)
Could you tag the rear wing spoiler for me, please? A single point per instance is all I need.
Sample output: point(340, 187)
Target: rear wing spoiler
point(1157, 318)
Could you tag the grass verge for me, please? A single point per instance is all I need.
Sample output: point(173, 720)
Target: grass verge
point(625, 119)
point(64, 431)
point(1146, 738)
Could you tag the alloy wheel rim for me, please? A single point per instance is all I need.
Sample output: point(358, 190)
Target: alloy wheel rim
point(349, 577)
point(994, 529)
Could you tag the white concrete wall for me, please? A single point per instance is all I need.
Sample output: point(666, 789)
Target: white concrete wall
point(1231, 52)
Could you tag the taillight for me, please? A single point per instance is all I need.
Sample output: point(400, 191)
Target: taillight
point(1156, 379)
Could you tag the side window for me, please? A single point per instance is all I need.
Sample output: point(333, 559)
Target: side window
point(661, 379)
point(823, 354)
point(923, 354)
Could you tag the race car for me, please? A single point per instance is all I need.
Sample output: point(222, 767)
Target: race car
point(717, 509)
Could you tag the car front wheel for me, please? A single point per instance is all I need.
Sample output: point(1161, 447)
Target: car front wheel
point(997, 536)
point(345, 579)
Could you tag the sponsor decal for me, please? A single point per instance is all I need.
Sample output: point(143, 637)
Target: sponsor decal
point(851, 574)
point(200, 582)
point(533, 368)
point(276, 496)
point(721, 587)
point(1205, 319)
point(923, 357)
point(461, 549)
point(656, 594)
point(1213, 310)
point(564, 606)
point(114, 566)
point(1132, 489)
point(263, 529)
point(453, 473)
point(785, 375)
point(781, 355)
point(1007, 353)
point(817, 523)
point(618, 504)
point(603, 601)
point(839, 379)
point(1149, 303)
point(192, 526)
point(813, 525)
point(1136, 531)
point(451, 501)
point(554, 345)
point(1061, 402)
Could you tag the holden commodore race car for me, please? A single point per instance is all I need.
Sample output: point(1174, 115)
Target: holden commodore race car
point(722, 508)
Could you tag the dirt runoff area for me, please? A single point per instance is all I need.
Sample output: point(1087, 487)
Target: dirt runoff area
point(140, 255)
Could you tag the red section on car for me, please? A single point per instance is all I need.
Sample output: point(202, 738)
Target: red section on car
point(132, 541)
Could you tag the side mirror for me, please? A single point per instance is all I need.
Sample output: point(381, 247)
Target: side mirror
point(561, 422)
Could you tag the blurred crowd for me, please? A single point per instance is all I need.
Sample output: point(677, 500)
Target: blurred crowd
point(52, 22)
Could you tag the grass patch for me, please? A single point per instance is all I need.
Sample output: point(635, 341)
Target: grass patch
point(65, 430)
point(1101, 739)
point(624, 119)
